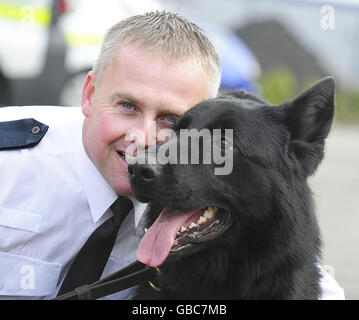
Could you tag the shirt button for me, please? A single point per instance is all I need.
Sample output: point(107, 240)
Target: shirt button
point(35, 130)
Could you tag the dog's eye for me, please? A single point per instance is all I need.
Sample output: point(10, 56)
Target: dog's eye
point(225, 144)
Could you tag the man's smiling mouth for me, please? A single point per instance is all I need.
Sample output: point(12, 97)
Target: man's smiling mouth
point(127, 157)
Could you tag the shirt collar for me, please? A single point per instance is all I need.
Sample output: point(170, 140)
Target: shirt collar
point(139, 209)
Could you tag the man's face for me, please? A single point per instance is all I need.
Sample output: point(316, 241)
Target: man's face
point(135, 89)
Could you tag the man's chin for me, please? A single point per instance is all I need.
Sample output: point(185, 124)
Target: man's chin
point(124, 188)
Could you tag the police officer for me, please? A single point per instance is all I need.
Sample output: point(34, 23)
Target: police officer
point(61, 169)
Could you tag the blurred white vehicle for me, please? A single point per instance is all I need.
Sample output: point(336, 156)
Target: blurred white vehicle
point(25, 28)
point(24, 31)
point(48, 46)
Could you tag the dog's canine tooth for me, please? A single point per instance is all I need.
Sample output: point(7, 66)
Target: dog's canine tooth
point(183, 229)
point(202, 219)
point(209, 212)
point(214, 209)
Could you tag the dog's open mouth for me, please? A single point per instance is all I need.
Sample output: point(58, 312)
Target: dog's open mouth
point(209, 225)
point(176, 230)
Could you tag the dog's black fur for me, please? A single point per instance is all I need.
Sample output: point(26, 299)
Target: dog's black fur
point(272, 248)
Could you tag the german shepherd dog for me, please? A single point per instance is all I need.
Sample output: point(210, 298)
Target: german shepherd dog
point(249, 234)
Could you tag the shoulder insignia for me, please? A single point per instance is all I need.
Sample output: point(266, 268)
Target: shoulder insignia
point(19, 134)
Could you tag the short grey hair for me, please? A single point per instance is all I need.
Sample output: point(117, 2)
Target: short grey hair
point(168, 34)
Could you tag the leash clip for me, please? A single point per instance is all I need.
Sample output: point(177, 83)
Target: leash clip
point(154, 287)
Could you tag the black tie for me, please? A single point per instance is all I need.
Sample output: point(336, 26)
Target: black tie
point(90, 262)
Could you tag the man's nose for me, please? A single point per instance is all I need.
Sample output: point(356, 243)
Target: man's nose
point(148, 135)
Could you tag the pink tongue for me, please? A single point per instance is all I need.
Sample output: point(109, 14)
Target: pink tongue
point(158, 240)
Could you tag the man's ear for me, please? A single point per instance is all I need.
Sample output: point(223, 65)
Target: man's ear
point(88, 91)
point(309, 117)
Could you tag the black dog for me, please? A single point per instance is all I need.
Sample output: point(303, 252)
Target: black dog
point(258, 237)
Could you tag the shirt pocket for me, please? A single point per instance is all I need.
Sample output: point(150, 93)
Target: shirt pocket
point(20, 220)
point(24, 276)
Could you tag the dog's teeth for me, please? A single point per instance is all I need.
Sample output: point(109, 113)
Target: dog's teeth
point(214, 209)
point(202, 219)
point(192, 225)
point(183, 229)
point(209, 212)
point(146, 230)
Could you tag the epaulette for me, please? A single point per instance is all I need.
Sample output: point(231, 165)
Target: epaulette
point(18, 134)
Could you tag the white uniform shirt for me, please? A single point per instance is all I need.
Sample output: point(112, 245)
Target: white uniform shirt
point(51, 199)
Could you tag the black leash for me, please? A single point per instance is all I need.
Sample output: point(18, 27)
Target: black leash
point(133, 274)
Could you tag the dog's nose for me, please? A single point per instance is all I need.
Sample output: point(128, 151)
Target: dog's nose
point(142, 173)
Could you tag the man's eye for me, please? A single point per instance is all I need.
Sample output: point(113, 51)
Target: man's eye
point(170, 119)
point(167, 121)
point(127, 106)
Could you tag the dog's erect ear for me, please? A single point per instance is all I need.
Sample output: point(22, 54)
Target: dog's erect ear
point(309, 117)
